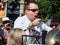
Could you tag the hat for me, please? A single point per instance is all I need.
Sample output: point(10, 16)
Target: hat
point(6, 20)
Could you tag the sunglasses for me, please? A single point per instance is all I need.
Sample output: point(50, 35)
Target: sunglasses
point(33, 10)
point(56, 25)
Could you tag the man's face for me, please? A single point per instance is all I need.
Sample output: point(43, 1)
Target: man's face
point(55, 25)
point(7, 26)
point(32, 11)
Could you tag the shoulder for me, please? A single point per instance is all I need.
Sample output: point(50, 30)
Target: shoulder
point(19, 18)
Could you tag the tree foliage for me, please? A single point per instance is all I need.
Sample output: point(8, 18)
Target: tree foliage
point(47, 8)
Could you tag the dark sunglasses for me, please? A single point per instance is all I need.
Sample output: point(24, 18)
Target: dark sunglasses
point(56, 25)
point(33, 10)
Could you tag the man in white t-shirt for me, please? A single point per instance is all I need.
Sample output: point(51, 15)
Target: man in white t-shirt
point(30, 19)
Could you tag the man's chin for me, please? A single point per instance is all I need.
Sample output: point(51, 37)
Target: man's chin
point(34, 18)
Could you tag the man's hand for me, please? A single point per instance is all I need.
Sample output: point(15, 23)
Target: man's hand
point(35, 22)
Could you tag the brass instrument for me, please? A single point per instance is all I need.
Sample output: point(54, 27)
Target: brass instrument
point(53, 37)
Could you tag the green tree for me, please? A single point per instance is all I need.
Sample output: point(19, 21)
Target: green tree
point(47, 8)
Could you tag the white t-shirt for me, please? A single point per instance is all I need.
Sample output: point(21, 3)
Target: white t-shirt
point(23, 23)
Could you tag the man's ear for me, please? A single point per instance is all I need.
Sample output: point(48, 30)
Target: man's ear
point(26, 11)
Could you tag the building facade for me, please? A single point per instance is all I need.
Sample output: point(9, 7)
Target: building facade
point(14, 8)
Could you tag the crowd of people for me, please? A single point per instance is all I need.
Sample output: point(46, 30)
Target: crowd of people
point(28, 25)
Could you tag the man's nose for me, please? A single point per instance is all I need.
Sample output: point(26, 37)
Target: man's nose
point(36, 12)
point(53, 27)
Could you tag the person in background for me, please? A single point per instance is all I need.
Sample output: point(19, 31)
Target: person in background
point(52, 17)
point(55, 24)
point(2, 10)
point(15, 37)
point(30, 20)
point(1, 33)
point(6, 27)
point(55, 21)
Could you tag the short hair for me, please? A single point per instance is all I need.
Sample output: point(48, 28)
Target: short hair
point(15, 37)
point(28, 3)
point(55, 18)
